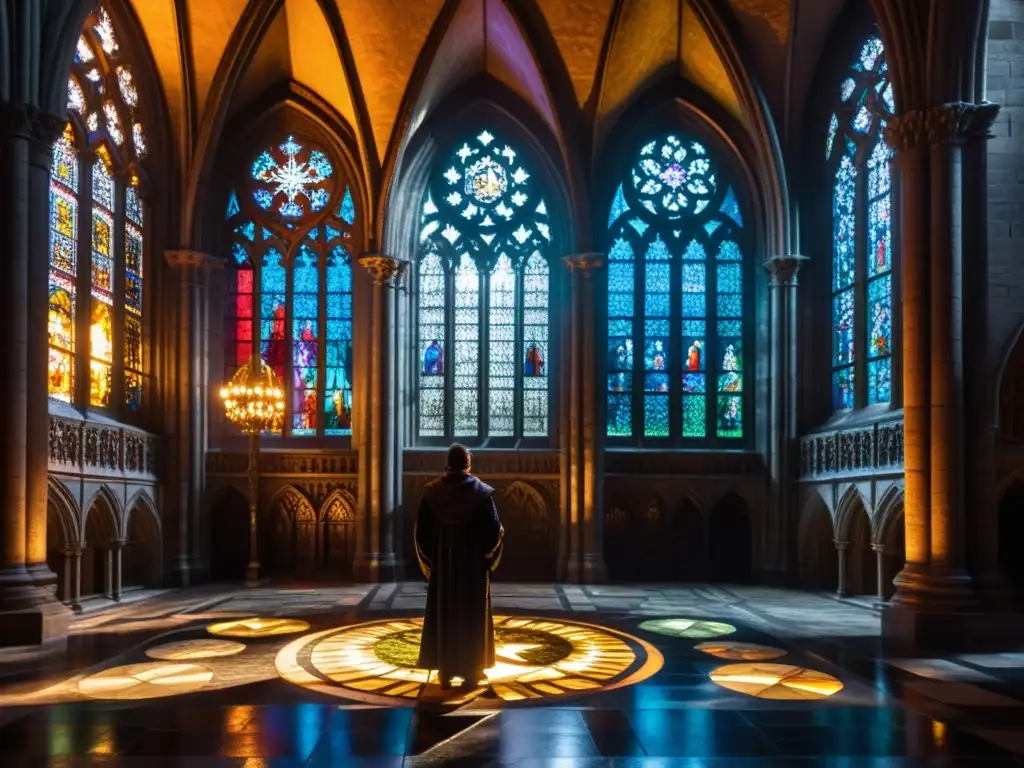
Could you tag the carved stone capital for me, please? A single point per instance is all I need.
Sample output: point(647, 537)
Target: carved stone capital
point(584, 263)
point(30, 122)
point(184, 258)
point(783, 268)
point(385, 270)
point(841, 545)
point(953, 123)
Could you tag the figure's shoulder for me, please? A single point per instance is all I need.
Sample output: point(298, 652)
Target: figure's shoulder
point(483, 488)
point(432, 484)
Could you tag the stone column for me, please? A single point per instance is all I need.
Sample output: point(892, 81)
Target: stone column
point(879, 550)
point(188, 424)
point(29, 611)
point(75, 598)
point(586, 438)
point(934, 590)
point(375, 547)
point(780, 533)
point(842, 547)
point(116, 548)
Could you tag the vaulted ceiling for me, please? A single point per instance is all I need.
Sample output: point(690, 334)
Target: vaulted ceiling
point(383, 65)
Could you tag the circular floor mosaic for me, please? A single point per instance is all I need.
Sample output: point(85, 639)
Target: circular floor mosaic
point(694, 628)
point(145, 681)
point(776, 681)
point(740, 651)
point(187, 650)
point(258, 627)
point(535, 659)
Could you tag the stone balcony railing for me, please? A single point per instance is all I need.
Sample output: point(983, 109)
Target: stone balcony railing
point(90, 446)
point(852, 452)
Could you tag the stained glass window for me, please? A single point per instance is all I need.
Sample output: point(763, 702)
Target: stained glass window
point(862, 236)
point(103, 99)
point(676, 299)
point(295, 297)
point(483, 296)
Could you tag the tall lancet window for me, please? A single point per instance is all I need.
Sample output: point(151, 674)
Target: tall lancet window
point(290, 292)
point(483, 297)
point(98, 262)
point(862, 233)
point(678, 297)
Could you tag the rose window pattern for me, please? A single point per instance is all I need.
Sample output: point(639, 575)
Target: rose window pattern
point(861, 168)
point(483, 294)
point(677, 301)
point(291, 224)
point(98, 229)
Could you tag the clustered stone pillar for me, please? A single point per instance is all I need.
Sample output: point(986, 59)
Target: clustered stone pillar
point(187, 422)
point(585, 552)
point(29, 611)
point(934, 587)
point(375, 546)
point(842, 549)
point(879, 550)
point(780, 537)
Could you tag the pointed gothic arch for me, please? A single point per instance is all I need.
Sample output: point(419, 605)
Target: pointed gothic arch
point(338, 524)
point(529, 535)
point(818, 557)
point(142, 555)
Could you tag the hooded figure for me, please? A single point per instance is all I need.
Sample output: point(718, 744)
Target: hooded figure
point(458, 543)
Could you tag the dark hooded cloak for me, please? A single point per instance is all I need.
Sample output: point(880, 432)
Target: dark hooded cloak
point(458, 543)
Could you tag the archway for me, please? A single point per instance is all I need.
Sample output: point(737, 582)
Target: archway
point(861, 560)
point(653, 552)
point(730, 540)
point(100, 535)
point(289, 536)
point(819, 559)
point(339, 537)
point(894, 554)
point(60, 535)
point(688, 557)
point(617, 547)
point(141, 560)
point(229, 536)
point(1011, 534)
point(528, 553)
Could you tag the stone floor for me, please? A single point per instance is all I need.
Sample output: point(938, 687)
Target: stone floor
point(308, 698)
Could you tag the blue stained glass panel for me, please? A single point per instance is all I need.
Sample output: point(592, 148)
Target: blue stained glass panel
point(620, 304)
point(657, 304)
point(843, 222)
point(843, 328)
point(730, 328)
point(273, 339)
point(619, 206)
point(729, 251)
point(693, 305)
point(338, 370)
point(620, 328)
point(694, 415)
point(305, 341)
point(694, 278)
point(694, 383)
point(694, 252)
point(247, 230)
point(620, 415)
point(620, 277)
point(729, 305)
point(730, 416)
point(879, 317)
point(731, 207)
point(657, 277)
point(694, 328)
point(842, 389)
point(233, 206)
point(620, 354)
point(730, 278)
point(880, 380)
point(655, 415)
point(347, 211)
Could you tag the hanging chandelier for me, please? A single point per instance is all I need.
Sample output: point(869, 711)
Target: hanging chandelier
point(253, 399)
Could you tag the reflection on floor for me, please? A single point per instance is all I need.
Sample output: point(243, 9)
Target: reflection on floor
point(585, 676)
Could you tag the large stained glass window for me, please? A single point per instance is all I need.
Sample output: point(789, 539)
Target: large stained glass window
point(290, 293)
point(483, 297)
point(677, 296)
point(862, 237)
point(97, 231)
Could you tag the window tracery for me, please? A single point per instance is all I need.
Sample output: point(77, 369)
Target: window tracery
point(92, 155)
point(291, 291)
point(483, 294)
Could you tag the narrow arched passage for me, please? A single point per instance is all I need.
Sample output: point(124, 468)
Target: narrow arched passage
point(819, 559)
point(861, 560)
point(141, 557)
point(730, 541)
point(1011, 534)
point(97, 575)
point(229, 536)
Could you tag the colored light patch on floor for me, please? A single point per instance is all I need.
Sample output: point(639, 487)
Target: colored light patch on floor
point(189, 650)
point(740, 651)
point(145, 681)
point(536, 659)
point(776, 681)
point(694, 628)
point(258, 627)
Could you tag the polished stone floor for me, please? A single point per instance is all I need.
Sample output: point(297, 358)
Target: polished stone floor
point(589, 676)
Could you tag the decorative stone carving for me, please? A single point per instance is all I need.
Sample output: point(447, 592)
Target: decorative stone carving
point(853, 452)
point(385, 270)
point(30, 122)
point(906, 131)
point(954, 122)
point(783, 269)
point(65, 442)
point(584, 263)
point(134, 452)
point(530, 464)
point(675, 464)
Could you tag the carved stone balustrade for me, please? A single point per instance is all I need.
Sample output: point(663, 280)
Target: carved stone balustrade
point(870, 450)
